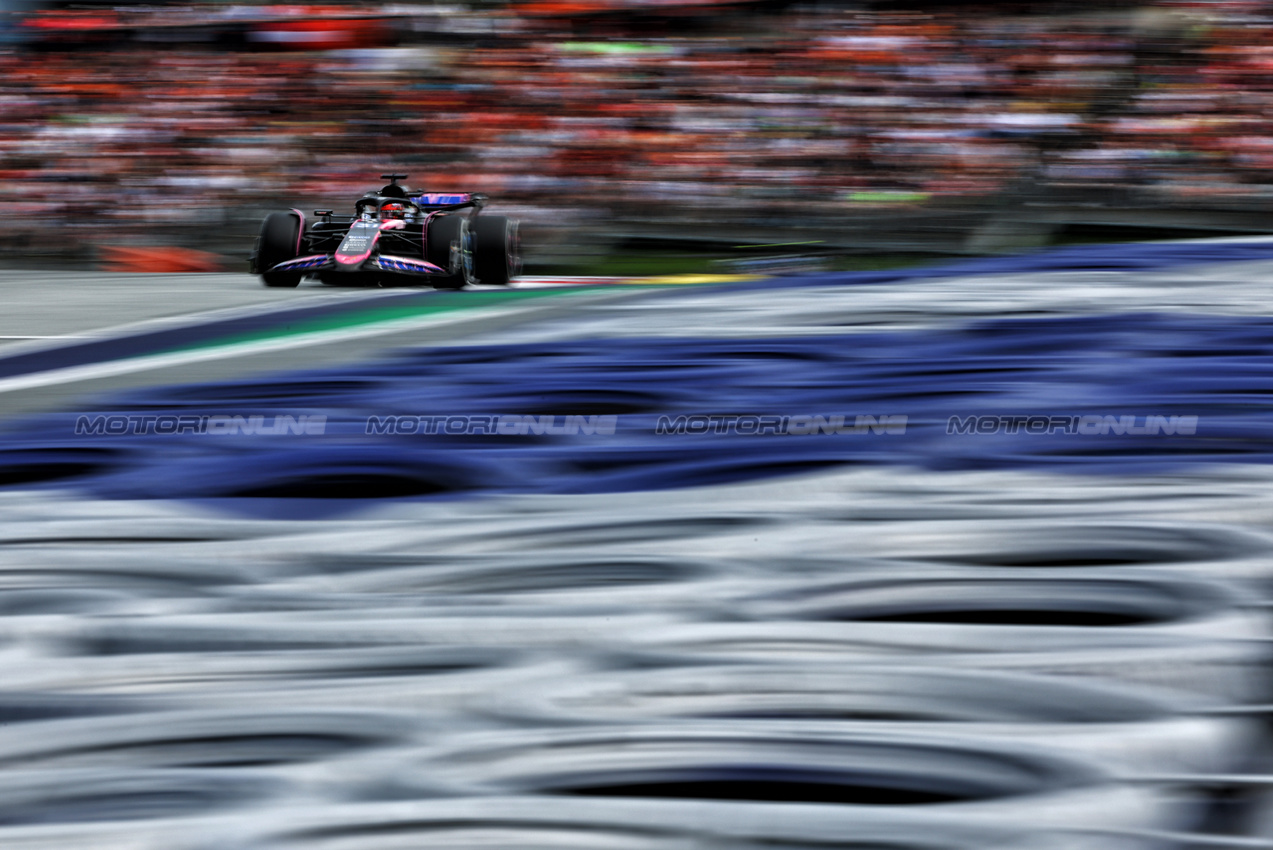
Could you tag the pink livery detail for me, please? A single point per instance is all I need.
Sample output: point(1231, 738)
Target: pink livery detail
point(358, 244)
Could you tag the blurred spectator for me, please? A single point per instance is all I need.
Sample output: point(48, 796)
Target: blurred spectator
point(816, 111)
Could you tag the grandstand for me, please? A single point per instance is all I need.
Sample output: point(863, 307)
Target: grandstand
point(918, 127)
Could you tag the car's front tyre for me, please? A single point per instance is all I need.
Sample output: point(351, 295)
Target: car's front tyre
point(448, 244)
point(280, 234)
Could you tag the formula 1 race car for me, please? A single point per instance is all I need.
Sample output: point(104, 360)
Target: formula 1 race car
point(394, 236)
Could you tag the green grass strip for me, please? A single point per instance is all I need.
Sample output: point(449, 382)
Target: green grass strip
point(431, 305)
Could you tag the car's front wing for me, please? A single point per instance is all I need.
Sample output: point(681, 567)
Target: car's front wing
point(381, 262)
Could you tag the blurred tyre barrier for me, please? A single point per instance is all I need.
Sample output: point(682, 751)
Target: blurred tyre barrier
point(557, 823)
point(425, 680)
point(175, 764)
point(1135, 626)
point(719, 698)
point(87, 795)
point(451, 634)
point(973, 610)
point(194, 832)
point(534, 578)
point(1127, 729)
point(547, 823)
point(29, 706)
point(794, 781)
point(224, 740)
point(1217, 552)
point(1261, 825)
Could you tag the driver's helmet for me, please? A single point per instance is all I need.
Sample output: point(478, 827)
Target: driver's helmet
point(393, 210)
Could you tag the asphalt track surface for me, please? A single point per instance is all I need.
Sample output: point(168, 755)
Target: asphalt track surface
point(48, 314)
point(861, 654)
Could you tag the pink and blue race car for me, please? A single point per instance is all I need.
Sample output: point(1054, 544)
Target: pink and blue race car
point(394, 236)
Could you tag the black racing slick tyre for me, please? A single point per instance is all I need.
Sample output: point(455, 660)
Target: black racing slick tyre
point(496, 249)
point(280, 234)
point(448, 243)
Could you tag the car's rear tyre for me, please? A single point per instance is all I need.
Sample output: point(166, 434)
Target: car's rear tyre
point(496, 249)
point(449, 244)
point(280, 233)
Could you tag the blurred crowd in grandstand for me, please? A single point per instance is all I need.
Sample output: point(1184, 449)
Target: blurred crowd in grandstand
point(131, 118)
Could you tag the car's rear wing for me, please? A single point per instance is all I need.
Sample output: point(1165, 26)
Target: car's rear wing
point(452, 201)
point(424, 202)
